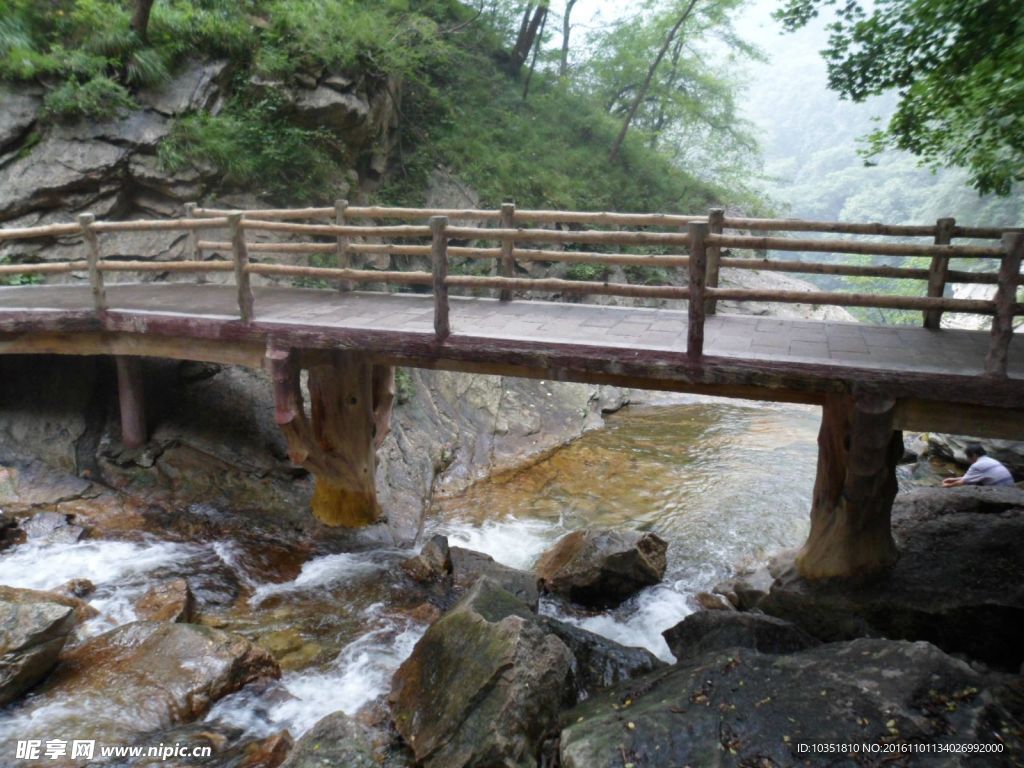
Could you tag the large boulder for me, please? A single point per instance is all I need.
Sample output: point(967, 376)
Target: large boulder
point(33, 631)
point(751, 709)
point(602, 568)
point(706, 631)
point(956, 583)
point(483, 686)
point(336, 740)
point(144, 677)
point(450, 571)
point(599, 662)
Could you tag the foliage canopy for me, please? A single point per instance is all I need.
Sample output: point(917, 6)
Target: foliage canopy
point(957, 65)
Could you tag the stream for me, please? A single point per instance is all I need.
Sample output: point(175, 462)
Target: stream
point(726, 483)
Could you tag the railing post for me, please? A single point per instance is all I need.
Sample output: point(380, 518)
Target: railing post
point(937, 272)
point(344, 260)
point(192, 250)
point(716, 217)
point(92, 255)
point(507, 264)
point(1006, 298)
point(439, 264)
point(240, 255)
point(698, 231)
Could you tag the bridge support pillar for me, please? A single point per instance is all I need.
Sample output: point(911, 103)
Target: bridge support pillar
point(349, 417)
point(858, 450)
point(131, 401)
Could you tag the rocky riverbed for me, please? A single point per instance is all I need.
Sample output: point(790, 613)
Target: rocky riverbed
point(135, 620)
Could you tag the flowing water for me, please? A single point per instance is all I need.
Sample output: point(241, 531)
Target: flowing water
point(726, 483)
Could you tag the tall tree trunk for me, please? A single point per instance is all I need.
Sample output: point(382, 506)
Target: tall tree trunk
point(140, 19)
point(563, 67)
point(533, 60)
point(646, 85)
point(527, 35)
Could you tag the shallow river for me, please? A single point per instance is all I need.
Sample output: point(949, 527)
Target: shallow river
point(725, 483)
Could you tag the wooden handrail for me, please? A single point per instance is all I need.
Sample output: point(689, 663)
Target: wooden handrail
point(850, 246)
point(1005, 306)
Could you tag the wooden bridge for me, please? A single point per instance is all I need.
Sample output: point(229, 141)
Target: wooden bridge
point(872, 381)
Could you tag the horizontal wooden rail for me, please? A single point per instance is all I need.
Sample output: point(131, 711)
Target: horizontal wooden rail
point(110, 265)
point(562, 236)
point(558, 285)
point(332, 230)
point(159, 225)
point(850, 246)
point(835, 227)
point(334, 273)
point(971, 306)
point(613, 259)
point(45, 268)
point(850, 270)
point(49, 230)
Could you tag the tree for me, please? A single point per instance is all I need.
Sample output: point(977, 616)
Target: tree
point(534, 17)
point(957, 67)
point(679, 98)
point(563, 64)
point(140, 18)
point(645, 86)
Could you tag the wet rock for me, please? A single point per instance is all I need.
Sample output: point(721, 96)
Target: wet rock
point(169, 601)
point(33, 631)
point(711, 601)
point(337, 740)
point(751, 709)
point(10, 534)
point(469, 566)
point(195, 88)
point(144, 677)
point(83, 611)
point(52, 528)
point(956, 583)
point(602, 568)
point(708, 631)
point(483, 686)
point(599, 662)
point(77, 588)
point(747, 589)
point(433, 563)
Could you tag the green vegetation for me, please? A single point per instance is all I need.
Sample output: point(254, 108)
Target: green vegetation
point(255, 146)
point(958, 68)
point(643, 275)
point(588, 272)
point(405, 387)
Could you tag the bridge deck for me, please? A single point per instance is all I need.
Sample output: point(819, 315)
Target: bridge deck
point(836, 344)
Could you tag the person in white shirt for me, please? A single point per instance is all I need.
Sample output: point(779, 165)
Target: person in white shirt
point(984, 470)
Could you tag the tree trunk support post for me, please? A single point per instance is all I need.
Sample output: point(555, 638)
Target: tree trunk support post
point(349, 418)
point(439, 264)
point(192, 250)
point(344, 260)
point(92, 255)
point(240, 255)
point(698, 231)
point(858, 450)
point(937, 272)
point(1006, 297)
point(131, 401)
point(507, 263)
point(716, 219)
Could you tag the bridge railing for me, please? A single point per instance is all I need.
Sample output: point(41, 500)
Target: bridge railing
point(696, 247)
